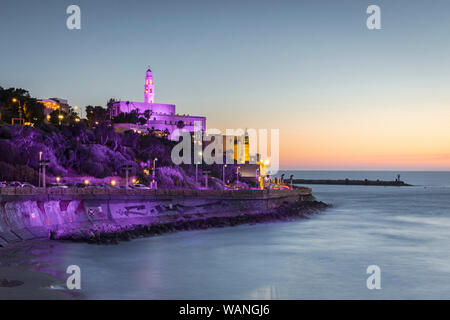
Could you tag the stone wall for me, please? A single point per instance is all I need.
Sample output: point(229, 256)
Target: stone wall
point(27, 213)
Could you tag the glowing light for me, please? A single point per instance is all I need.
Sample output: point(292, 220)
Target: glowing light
point(60, 116)
point(86, 182)
point(133, 180)
point(113, 182)
point(77, 119)
point(58, 179)
point(14, 100)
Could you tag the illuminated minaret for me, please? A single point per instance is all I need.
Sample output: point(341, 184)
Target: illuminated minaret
point(149, 89)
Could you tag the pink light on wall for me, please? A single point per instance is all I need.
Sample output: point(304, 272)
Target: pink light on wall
point(149, 96)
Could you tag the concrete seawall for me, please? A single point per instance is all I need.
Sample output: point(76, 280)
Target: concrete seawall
point(27, 213)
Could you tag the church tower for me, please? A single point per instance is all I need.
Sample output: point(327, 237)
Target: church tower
point(149, 88)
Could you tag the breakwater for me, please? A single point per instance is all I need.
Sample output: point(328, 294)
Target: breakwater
point(348, 182)
point(27, 213)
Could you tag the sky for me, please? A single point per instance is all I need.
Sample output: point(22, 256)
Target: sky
point(342, 96)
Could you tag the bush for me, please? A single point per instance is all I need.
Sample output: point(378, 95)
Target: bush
point(20, 173)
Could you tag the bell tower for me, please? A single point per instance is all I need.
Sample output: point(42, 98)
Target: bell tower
point(149, 95)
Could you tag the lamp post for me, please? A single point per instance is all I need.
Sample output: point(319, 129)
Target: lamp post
point(40, 158)
point(14, 100)
point(78, 118)
point(154, 169)
point(237, 174)
point(127, 168)
point(196, 172)
point(223, 175)
point(60, 117)
point(196, 167)
point(43, 164)
point(206, 178)
point(257, 179)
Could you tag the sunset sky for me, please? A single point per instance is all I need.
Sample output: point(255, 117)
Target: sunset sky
point(343, 97)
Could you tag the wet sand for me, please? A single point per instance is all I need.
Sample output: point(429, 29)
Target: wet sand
point(24, 273)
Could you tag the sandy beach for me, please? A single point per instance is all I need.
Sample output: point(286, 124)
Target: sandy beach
point(25, 274)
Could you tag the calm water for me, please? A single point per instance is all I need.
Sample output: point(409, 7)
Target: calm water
point(405, 231)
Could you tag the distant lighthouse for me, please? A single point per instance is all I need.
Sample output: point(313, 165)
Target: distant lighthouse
point(149, 96)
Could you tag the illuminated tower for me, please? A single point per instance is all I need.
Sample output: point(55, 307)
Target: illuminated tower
point(149, 88)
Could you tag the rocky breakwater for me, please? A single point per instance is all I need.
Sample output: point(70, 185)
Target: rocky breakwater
point(109, 216)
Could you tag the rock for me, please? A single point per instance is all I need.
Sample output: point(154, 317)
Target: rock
point(10, 283)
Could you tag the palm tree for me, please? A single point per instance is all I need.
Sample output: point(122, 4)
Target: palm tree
point(180, 124)
point(148, 114)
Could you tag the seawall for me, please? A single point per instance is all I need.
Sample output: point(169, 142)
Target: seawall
point(27, 213)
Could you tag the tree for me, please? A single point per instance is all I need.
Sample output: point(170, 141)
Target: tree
point(180, 124)
point(131, 117)
point(32, 110)
point(96, 114)
point(148, 115)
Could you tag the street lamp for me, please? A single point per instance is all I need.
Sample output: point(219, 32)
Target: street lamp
point(43, 164)
point(257, 178)
point(14, 100)
point(40, 159)
point(154, 169)
point(81, 111)
point(127, 168)
point(237, 174)
point(196, 167)
point(57, 180)
point(60, 117)
point(223, 175)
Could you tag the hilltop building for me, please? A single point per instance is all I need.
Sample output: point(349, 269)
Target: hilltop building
point(161, 117)
point(54, 104)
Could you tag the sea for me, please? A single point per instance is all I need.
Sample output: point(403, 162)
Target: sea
point(403, 231)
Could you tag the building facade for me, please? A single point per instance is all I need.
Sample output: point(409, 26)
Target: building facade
point(54, 104)
point(160, 117)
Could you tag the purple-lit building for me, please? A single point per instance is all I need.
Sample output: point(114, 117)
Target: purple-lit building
point(162, 116)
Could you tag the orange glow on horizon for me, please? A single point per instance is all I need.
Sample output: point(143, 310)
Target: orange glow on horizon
point(403, 136)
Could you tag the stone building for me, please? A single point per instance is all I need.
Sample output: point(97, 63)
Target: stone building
point(160, 117)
